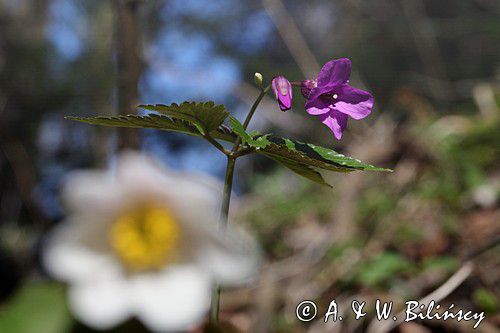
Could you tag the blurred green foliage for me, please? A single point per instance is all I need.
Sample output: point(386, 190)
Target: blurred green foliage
point(381, 268)
point(38, 307)
point(486, 300)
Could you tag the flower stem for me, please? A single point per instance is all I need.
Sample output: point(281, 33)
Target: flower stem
point(263, 93)
point(216, 144)
point(226, 199)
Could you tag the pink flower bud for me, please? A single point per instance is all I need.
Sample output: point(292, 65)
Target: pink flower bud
point(282, 89)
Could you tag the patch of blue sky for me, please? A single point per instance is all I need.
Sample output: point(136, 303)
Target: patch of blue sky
point(194, 156)
point(183, 49)
point(67, 28)
point(251, 34)
point(217, 82)
point(203, 158)
point(202, 9)
point(187, 67)
point(46, 196)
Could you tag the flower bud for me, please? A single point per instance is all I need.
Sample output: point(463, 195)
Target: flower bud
point(282, 89)
point(306, 86)
point(257, 78)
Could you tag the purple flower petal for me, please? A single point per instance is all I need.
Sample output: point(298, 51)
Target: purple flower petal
point(314, 95)
point(336, 121)
point(319, 106)
point(282, 89)
point(306, 86)
point(321, 95)
point(333, 100)
point(335, 72)
point(316, 111)
point(354, 102)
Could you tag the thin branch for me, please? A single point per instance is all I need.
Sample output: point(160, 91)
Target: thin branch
point(224, 213)
point(440, 293)
point(216, 144)
point(427, 46)
point(263, 93)
point(292, 37)
point(437, 295)
point(127, 43)
point(244, 151)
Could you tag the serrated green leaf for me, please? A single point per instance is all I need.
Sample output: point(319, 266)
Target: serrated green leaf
point(261, 141)
point(156, 121)
point(192, 118)
point(237, 128)
point(309, 160)
point(37, 307)
point(253, 140)
point(305, 159)
point(302, 170)
point(205, 116)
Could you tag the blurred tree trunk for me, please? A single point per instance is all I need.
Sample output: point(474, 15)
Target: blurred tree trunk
point(129, 65)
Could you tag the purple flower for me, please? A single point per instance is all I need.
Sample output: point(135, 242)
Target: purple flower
point(282, 89)
point(306, 86)
point(332, 99)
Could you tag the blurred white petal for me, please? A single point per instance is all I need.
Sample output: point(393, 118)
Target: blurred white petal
point(192, 197)
point(174, 300)
point(232, 258)
point(104, 292)
point(69, 258)
point(100, 303)
point(94, 191)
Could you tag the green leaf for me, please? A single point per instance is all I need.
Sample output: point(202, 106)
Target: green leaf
point(205, 116)
point(309, 160)
point(381, 268)
point(237, 127)
point(486, 300)
point(445, 263)
point(254, 140)
point(156, 121)
point(37, 307)
point(300, 168)
point(305, 159)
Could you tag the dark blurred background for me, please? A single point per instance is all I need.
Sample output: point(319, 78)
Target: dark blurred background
point(433, 67)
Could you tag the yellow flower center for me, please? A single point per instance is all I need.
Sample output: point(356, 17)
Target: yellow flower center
point(145, 238)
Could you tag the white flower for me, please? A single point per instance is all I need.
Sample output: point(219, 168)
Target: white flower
point(143, 241)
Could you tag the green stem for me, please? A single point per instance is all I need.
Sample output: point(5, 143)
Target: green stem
point(226, 199)
point(263, 93)
point(216, 144)
point(228, 184)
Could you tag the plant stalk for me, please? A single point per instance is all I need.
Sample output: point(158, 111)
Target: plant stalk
point(226, 199)
point(263, 93)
